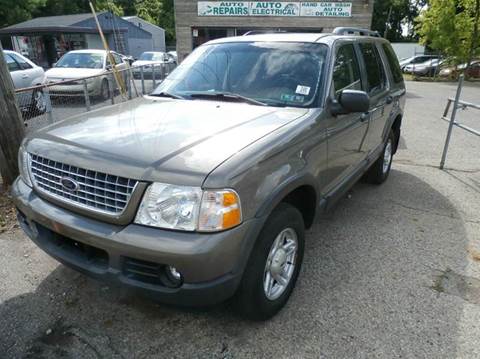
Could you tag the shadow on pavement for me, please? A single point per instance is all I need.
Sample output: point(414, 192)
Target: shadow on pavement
point(367, 289)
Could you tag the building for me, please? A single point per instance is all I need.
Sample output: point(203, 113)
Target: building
point(45, 39)
point(404, 50)
point(201, 21)
point(158, 34)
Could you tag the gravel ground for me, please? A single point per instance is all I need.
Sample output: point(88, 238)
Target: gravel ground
point(393, 271)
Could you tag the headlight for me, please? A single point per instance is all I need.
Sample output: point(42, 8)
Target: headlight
point(23, 166)
point(189, 208)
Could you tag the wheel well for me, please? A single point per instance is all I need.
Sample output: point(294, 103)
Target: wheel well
point(397, 123)
point(304, 198)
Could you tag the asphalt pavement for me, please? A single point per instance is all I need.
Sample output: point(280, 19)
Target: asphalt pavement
point(392, 272)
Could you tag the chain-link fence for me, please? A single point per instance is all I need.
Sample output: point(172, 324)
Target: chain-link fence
point(55, 101)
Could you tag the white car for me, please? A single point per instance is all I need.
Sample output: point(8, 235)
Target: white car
point(26, 74)
point(78, 64)
point(427, 68)
point(150, 59)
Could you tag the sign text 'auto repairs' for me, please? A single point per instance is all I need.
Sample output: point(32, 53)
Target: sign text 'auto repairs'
point(274, 8)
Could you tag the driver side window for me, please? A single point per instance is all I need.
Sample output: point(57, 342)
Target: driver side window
point(346, 72)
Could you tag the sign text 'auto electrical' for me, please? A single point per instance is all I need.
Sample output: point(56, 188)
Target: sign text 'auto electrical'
point(274, 8)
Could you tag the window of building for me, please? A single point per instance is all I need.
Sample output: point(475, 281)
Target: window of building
point(346, 72)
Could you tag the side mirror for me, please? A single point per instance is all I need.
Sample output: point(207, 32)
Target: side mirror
point(351, 101)
point(54, 64)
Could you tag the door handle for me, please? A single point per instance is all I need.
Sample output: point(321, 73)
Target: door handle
point(24, 76)
point(389, 100)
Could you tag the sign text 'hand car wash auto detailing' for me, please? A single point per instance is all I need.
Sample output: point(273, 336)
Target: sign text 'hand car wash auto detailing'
point(274, 8)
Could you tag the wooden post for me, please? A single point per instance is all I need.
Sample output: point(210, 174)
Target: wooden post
point(12, 128)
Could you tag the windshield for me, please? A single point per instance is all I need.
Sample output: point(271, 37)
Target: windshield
point(151, 56)
point(81, 60)
point(274, 73)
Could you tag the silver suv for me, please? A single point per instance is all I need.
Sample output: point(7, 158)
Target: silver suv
point(203, 190)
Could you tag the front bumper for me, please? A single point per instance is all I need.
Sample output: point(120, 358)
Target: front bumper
point(211, 264)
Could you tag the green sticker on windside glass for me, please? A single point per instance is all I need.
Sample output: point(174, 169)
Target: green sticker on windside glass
point(292, 98)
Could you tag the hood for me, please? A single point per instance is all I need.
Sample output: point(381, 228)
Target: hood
point(71, 73)
point(156, 139)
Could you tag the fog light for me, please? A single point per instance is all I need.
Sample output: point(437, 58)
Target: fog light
point(174, 276)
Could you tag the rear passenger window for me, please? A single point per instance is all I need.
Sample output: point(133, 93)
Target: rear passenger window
point(11, 63)
point(375, 72)
point(393, 63)
point(23, 64)
point(346, 72)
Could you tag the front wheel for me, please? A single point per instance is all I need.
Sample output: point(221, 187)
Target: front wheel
point(380, 170)
point(273, 266)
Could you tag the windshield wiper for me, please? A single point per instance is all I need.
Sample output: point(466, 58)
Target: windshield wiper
point(168, 94)
point(227, 95)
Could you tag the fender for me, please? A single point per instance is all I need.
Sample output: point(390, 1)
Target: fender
point(263, 212)
point(286, 187)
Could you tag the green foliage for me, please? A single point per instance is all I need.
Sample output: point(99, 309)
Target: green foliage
point(448, 26)
point(402, 12)
point(158, 12)
point(15, 11)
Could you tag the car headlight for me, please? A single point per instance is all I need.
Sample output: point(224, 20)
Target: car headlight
point(189, 208)
point(23, 166)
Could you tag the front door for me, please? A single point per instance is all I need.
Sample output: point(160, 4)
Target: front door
point(346, 133)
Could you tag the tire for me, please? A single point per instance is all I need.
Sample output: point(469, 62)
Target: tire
point(378, 173)
point(105, 90)
point(38, 105)
point(254, 300)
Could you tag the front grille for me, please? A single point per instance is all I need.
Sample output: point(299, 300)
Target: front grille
point(96, 190)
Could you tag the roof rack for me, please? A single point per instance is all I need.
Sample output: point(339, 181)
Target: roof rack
point(355, 31)
point(259, 32)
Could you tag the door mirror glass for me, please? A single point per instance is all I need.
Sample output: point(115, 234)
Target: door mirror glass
point(350, 101)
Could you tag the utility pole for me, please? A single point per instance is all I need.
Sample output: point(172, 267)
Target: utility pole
point(387, 23)
point(12, 128)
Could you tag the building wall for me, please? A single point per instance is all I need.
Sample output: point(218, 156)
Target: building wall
point(407, 49)
point(94, 41)
point(186, 18)
point(158, 34)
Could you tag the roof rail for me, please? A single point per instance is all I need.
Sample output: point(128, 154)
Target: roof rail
point(355, 31)
point(258, 32)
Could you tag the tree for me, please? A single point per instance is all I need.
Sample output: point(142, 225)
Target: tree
point(394, 15)
point(451, 27)
point(15, 11)
point(11, 125)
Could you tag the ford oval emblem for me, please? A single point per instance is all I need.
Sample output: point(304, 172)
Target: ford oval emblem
point(69, 184)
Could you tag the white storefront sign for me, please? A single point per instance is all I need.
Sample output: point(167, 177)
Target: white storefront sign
point(326, 9)
point(274, 8)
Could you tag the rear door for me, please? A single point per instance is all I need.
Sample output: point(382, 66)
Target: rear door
point(377, 87)
point(346, 133)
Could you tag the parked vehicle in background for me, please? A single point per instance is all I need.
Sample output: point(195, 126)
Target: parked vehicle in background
point(174, 55)
point(78, 64)
point(454, 71)
point(417, 59)
point(427, 68)
point(150, 59)
point(203, 190)
point(25, 74)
